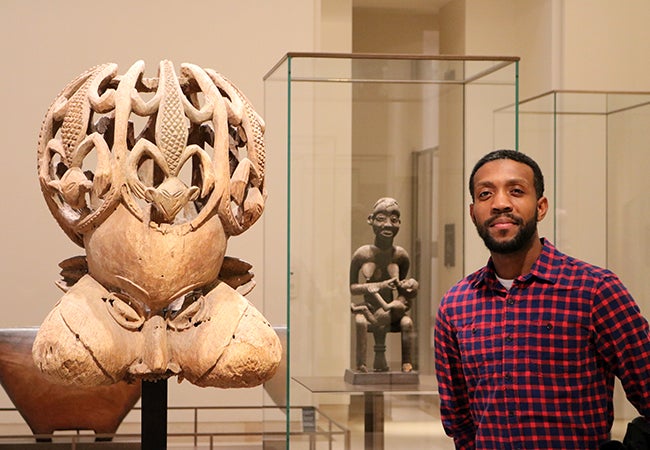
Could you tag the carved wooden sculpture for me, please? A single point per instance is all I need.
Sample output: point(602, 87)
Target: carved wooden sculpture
point(378, 273)
point(152, 176)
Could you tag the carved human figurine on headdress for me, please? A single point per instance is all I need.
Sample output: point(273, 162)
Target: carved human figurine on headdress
point(378, 273)
point(152, 186)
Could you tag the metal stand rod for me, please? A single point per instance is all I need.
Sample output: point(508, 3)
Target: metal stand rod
point(154, 415)
point(374, 420)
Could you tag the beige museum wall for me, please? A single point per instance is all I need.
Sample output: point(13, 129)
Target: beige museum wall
point(44, 44)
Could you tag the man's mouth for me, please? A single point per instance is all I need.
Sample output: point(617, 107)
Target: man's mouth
point(503, 222)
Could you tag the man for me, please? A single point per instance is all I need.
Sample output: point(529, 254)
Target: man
point(378, 273)
point(528, 346)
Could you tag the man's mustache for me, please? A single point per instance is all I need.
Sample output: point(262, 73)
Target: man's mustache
point(510, 216)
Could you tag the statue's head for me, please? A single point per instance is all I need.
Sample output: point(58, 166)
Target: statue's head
point(385, 218)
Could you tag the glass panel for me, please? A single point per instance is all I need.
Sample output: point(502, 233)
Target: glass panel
point(536, 138)
point(562, 130)
point(342, 132)
point(628, 206)
point(579, 188)
point(486, 129)
point(575, 136)
point(275, 222)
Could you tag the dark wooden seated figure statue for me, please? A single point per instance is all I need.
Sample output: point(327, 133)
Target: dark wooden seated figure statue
point(378, 273)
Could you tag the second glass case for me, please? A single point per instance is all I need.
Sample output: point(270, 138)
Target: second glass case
point(593, 149)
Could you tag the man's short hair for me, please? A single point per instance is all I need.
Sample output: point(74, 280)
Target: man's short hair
point(514, 155)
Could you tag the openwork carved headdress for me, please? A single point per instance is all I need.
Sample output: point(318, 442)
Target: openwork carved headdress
point(199, 117)
point(151, 176)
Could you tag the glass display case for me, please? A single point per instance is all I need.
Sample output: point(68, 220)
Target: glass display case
point(593, 150)
point(342, 131)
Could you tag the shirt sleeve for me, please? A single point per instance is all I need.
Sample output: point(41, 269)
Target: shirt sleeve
point(452, 388)
point(623, 339)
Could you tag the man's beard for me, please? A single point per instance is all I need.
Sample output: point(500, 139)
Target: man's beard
point(520, 241)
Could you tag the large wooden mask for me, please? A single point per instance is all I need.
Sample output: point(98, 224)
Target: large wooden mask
point(152, 176)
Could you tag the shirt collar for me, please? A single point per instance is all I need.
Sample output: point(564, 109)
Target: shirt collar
point(546, 268)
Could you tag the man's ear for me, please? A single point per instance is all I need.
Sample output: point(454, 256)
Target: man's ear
point(542, 208)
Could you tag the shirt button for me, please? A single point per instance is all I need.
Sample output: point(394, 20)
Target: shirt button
point(508, 338)
point(511, 301)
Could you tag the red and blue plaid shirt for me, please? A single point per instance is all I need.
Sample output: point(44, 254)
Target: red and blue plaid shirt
point(534, 367)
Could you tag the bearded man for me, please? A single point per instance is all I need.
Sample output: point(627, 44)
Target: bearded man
point(527, 348)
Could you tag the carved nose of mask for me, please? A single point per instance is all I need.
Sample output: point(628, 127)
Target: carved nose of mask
point(155, 353)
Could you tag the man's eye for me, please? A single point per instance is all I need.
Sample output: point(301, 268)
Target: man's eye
point(483, 194)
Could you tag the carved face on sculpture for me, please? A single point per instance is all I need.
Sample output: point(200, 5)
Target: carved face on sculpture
point(151, 176)
point(385, 218)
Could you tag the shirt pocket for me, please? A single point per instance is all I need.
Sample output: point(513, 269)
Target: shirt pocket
point(480, 350)
point(558, 348)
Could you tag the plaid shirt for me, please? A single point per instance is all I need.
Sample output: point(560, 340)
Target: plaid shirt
point(534, 367)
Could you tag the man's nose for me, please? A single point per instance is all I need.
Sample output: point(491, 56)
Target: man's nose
point(501, 202)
